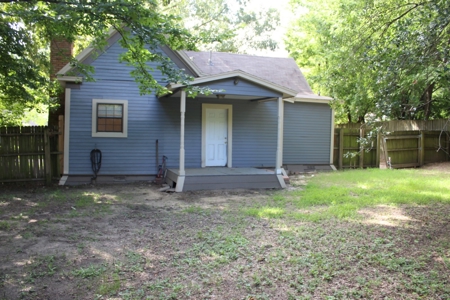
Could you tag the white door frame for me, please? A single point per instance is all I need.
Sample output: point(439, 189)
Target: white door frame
point(229, 109)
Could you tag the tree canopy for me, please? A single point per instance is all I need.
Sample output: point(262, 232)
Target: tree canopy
point(27, 27)
point(378, 59)
point(228, 25)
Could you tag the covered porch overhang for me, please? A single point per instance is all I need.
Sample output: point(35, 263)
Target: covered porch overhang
point(188, 179)
point(229, 176)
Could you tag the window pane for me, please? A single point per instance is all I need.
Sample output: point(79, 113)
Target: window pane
point(101, 110)
point(117, 125)
point(118, 111)
point(110, 110)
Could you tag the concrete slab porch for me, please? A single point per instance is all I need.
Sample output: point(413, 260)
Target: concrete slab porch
point(213, 178)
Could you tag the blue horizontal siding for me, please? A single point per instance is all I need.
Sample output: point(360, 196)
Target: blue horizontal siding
point(151, 119)
point(135, 154)
point(254, 132)
point(244, 88)
point(307, 133)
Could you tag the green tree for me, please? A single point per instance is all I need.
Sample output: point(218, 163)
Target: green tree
point(384, 59)
point(227, 25)
point(27, 27)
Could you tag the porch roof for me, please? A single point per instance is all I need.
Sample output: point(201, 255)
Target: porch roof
point(237, 75)
point(277, 73)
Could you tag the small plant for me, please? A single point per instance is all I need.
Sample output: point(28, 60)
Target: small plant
point(84, 201)
point(109, 286)
point(89, 272)
point(195, 210)
point(367, 142)
point(4, 225)
point(80, 247)
point(41, 267)
point(27, 235)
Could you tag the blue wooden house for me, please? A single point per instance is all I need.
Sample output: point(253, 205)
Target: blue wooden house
point(264, 119)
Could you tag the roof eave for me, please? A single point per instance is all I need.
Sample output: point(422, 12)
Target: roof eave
point(70, 79)
point(311, 98)
point(187, 60)
point(285, 91)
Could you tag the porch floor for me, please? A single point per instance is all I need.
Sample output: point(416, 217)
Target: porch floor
point(212, 178)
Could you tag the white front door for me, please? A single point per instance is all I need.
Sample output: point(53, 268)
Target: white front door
point(216, 137)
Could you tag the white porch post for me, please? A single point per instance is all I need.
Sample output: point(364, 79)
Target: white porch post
point(181, 171)
point(279, 158)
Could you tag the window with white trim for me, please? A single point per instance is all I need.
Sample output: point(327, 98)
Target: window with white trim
point(109, 118)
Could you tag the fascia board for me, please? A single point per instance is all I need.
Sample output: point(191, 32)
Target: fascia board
point(240, 74)
point(311, 99)
point(70, 78)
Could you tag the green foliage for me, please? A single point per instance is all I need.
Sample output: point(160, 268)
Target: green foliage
point(109, 287)
point(89, 272)
point(227, 26)
point(27, 27)
point(4, 225)
point(381, 59)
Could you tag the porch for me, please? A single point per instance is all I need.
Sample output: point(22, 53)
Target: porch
point(213, 178)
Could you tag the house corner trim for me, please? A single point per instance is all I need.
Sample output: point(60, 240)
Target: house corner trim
point(66, 135)
point(332, 137)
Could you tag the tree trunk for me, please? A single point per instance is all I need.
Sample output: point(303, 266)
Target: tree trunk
point(426, 100)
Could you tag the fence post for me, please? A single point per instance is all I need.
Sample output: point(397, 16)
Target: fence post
point(422, 148)
point(341, 148)
point(47, 158)
point(448, 146)
point(361, 148)
point(378, 151)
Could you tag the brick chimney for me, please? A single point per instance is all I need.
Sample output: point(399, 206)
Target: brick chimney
point(61, 52)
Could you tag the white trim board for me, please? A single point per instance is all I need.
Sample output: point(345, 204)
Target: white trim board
point(229, 109)
point(66, 135)
point(332, 137)
point(309, 100)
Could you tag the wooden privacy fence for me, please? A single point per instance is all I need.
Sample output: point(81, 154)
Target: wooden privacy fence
point(30, 153)
point(401, 144)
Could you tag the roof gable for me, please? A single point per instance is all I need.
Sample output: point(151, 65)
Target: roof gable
point(281, 71)
point(280, 74)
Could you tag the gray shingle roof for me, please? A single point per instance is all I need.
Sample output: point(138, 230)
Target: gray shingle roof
point(281, 71)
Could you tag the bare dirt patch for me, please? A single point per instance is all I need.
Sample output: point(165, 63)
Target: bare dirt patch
point(134, 242)
point(440, 166)
point(65, 243)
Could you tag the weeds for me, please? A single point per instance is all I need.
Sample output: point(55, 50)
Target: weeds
point(267, 250)
point(5, 225)
point(109, 285)
point(89, 272)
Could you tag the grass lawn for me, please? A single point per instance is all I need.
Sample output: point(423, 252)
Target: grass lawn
point(359, 234)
